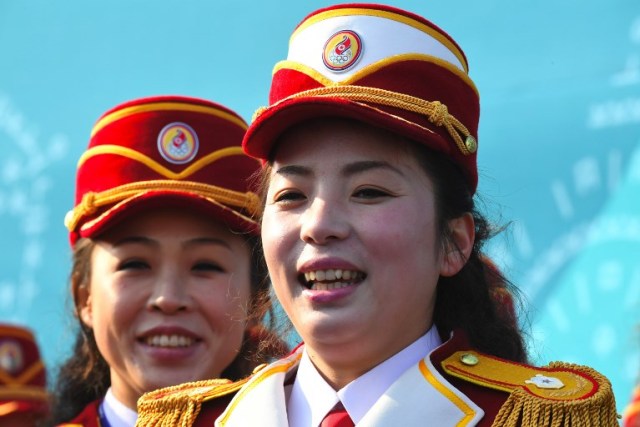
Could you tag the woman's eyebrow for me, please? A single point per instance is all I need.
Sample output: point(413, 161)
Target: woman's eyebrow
point(143, 240)
point(206, 241)
point(348, 170)
point(294, 170)
point(366, 165)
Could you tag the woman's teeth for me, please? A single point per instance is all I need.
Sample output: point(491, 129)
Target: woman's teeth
point(169, 341)
point(324, 280)
point(324, 286)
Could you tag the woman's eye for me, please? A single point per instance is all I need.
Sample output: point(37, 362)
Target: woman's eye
point(134, 264)
point(370, 193)
point(289, 196)
point(207, 267)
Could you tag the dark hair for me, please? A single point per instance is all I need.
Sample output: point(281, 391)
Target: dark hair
point(84, 376)
point(478, 300)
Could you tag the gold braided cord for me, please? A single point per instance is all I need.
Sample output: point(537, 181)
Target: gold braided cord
point(175, 409)
point(436, 112)
point(91, 201)
point(523, 409)
point(179, 405)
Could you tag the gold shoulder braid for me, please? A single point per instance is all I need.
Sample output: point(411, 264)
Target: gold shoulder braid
point(179, 405)
point(560, 394)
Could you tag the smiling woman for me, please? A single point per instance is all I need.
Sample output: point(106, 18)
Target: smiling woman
point(374, 244)
point(167, 282)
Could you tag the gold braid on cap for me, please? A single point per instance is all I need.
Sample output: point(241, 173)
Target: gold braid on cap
point(436, 112)
point(222, 197)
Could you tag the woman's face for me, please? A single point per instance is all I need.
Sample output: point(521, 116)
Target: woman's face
point(351, 241)
point(167, 300)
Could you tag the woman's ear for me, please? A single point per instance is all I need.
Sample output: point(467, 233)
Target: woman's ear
point(462, 234)
point(82, 300)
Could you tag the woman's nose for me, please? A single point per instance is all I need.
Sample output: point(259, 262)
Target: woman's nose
point(170, 294)
point(323, 222)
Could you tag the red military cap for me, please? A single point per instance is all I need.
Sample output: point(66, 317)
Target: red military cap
point(159, 151)
point(22, 373)
point(379, 65)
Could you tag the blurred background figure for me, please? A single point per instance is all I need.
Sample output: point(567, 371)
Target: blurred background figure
point(631, 415)
point(23, 396)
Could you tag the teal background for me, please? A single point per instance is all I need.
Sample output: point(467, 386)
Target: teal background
point(559, 141)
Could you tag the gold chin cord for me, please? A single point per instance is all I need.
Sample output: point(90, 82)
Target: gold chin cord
point(436, 112)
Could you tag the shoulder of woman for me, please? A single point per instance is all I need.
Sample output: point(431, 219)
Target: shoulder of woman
point(538, 396)
point(181, 404)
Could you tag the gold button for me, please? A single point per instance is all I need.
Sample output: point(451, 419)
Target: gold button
point(469, 359)
point(471, 144)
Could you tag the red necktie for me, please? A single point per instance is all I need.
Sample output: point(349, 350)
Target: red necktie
point(337, 417)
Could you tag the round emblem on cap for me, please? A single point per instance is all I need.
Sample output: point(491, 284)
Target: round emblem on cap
point(342, 50)
point(11, 357)
point(178, 143)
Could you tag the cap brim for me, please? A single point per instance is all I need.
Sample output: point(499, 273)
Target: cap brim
point(264, 132)
point(235, 220)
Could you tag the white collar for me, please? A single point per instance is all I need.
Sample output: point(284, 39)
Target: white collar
point(117, 413)
point(312, 397)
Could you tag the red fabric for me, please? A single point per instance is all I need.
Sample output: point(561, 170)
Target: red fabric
point(631, 415)
point(211, 410)
point(87, 418)
point(337, 417)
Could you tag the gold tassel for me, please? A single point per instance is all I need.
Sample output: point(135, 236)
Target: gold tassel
point(176, 406)
point(175, 411)
point(524, 409)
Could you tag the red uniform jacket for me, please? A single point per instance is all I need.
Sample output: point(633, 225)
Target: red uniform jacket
point(87, 418)
point(465, 388)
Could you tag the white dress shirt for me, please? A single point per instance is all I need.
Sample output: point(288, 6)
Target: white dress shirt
point(311, 397)
point(117, 414)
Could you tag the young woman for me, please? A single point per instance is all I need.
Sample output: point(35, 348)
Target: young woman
point(167, 270)
point(373, 243)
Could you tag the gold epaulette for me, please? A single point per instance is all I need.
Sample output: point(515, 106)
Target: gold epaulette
point(179, 405)
point(560, 394)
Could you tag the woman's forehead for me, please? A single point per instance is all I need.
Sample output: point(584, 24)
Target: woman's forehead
point(333, 137)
